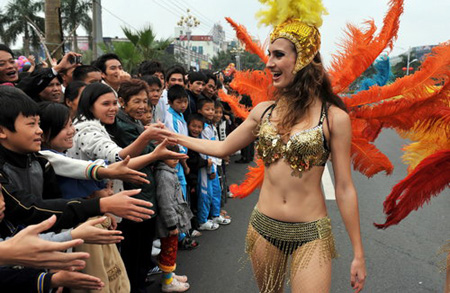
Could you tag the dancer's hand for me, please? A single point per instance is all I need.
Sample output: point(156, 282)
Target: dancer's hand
point(358, 274)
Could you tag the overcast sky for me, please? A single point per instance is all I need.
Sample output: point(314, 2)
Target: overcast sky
point(424, 22)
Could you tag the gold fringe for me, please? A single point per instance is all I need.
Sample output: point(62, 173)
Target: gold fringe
point(281, 241)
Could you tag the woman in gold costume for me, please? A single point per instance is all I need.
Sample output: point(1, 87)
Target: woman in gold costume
point(295, 135)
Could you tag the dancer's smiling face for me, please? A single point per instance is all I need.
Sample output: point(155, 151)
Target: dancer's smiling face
point(282, 57)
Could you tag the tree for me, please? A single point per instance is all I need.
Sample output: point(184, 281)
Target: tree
point(14, 22)
point(145, 42)
point(142, 46)
point(248, 61)
point(53, 30)
point(76, 13)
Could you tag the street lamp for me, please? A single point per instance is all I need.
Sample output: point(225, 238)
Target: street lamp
point(408, 63)
point(188, 22)
point(238, 50)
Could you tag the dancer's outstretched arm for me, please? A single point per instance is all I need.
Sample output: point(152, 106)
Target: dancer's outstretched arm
point(238, 139)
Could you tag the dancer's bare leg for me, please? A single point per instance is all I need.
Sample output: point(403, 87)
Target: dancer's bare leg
point(316, 277)
point(268, 264)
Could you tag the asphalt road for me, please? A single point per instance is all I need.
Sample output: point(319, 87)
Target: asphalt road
point(402, 258)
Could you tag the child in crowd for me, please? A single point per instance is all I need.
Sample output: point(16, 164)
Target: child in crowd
point(209, 192)
point(222, 126)
point(174, 218)
point(195, 162)
point(154, 93)
point(72, 96)
point(147, 118)
point(178, 102)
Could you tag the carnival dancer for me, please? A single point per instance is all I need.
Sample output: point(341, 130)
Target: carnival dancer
point(296, 134)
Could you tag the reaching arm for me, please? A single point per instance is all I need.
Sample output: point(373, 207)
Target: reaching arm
point(346, 196)
point(238, 139)
point(153, 132)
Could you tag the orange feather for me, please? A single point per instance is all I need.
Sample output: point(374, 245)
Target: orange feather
point(367, 159)
point(427, 180)
point(256, 84)
point(433, 70)
point(246, 39)
point(253, 180)
point(237, 108)
point(361, 48)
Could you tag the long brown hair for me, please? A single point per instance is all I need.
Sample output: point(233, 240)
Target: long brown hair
point(309, 83)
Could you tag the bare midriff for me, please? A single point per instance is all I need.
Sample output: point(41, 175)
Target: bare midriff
point(289, 198)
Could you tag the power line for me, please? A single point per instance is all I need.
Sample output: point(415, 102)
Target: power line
point(107, 10)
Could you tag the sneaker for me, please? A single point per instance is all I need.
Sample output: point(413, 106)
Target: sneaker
point(157, 243)
point(187, 244)
point(155, 251)
point(182, 278)
point(196, 233)
point(175, 286)
point(208, 225)
point(154, 271)
point(221, 220)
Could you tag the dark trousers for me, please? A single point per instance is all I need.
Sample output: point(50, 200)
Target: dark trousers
point(136, 251)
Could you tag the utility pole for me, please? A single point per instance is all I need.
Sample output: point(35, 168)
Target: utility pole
point(97, 32)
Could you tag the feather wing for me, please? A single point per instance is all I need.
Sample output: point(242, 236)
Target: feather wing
point(427, 180)
point(361, 48)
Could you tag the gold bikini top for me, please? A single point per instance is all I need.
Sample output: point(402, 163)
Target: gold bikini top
point(303, 150)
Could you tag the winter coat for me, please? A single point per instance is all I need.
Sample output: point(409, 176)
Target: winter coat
point(92, 142)
point(174, 212)
point(126, 131)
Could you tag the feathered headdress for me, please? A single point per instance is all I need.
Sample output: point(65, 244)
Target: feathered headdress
point(298, 21)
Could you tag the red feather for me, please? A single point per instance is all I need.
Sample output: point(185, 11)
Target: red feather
point(246, 39)
point(428, 179)
point(253, 180)
point(367, 159)
point(361, 48)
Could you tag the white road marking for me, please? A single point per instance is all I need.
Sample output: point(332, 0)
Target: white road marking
point(327, 184)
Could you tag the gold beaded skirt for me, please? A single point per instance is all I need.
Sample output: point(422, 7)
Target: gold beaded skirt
point(271, 244)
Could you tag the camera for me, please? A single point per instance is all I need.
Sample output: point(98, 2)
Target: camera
point(75, 59)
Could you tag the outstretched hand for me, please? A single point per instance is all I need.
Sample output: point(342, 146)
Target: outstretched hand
point(76, 280)
point(123, 205)
point(27, 249)
point(162, 153)
point(157, 132)
point(121, 171)
point(358, 274)
point(94, 235)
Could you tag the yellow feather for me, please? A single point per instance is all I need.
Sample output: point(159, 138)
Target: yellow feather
point(308, 11)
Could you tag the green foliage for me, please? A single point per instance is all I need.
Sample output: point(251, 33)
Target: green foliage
point(397, 69)
point(142, 45)
point(76, 13)
point(248, 61)
point(145, 42)
point(14, 22)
